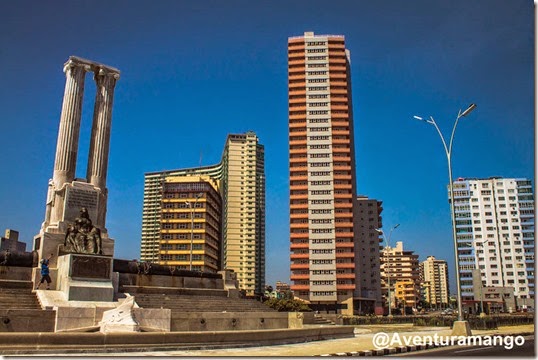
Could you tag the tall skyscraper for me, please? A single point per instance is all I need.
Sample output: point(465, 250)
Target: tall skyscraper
point(241, 173)
point(322, 172)
point(495, 233)
point(434, 278)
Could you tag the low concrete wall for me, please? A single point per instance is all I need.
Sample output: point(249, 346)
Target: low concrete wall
point(43, 343)
point(22, 320)
point(15, 273)
point(169, 281)
point(228, 321)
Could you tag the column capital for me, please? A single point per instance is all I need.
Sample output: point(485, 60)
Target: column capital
point(105, 78)
point(70, 65)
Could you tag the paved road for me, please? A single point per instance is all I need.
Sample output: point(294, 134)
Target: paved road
point(526, 350)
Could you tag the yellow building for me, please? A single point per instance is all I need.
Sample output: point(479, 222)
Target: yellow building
point(241, 173)
point(406, 293)
point(191, 223)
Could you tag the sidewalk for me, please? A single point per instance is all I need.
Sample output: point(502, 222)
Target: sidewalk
point(361, 341)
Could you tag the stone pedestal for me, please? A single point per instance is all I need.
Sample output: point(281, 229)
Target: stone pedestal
point(461, 328)
point(85, 277)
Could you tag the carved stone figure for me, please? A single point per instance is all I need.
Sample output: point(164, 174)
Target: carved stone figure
point(82, 237)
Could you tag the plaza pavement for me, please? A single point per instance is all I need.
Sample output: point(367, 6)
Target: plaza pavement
point(362, 341)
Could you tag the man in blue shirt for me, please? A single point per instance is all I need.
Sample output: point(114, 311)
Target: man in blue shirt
point(45, 273)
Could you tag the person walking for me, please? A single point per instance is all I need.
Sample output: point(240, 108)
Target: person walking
point(45, 273)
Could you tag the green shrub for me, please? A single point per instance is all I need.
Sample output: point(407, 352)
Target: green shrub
point(287, 305)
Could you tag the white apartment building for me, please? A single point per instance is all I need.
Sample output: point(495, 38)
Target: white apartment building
point(434, 276)
point(495, 233)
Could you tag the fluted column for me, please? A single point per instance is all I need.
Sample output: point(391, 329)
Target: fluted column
point(68, 135)
point(100, 138)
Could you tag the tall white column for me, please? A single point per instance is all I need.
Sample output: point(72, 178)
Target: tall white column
point(68, 134)
point(100, 138)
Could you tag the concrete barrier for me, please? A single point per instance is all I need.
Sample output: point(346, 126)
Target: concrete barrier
point(26, 320)
point(42, 343)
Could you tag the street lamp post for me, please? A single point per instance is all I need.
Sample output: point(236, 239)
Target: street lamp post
point(387, 244)
point(448, 151)
point(198, 196)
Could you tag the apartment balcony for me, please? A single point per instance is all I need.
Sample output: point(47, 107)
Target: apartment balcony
point(342, 177)
point(299, 236)
point(345, 276)
point(345, 265)
point(294, 246)
point(338, 82)
point(343, 205)
point(298, 142)
point(337, 59)
point(341, 158)
point(345, 286)
point(299, 160)
point(349, 244)
point(300, 277)
point(338, 91)
point(335, 67)
point(298, 206)
point(299, 266)
point(344, 255)
point(296, 76)
point(300, 287)
point(298, 177)
point(341, 142)
point(299, 256)
point(295, 226)
point(297, 107)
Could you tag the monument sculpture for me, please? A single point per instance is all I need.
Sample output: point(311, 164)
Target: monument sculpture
point(82, 237)
point(64, 226)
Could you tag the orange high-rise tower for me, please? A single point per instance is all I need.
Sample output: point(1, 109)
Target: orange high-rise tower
point(322, 172)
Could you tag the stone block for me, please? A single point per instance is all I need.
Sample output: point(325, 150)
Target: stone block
point(461, 328)
point(153, 319)
point(295, 320)
point(68, 318)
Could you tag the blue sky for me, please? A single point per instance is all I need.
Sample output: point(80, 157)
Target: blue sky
point(194, 71)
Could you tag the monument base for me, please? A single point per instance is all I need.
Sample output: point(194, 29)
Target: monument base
point(84, 277)
point(461, 328)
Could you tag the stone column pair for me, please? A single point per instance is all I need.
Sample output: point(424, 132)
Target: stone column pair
point(67, 147)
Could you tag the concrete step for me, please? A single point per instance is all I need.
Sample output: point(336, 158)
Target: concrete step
point(15, 284)
point(17, 294)
point(189, 303)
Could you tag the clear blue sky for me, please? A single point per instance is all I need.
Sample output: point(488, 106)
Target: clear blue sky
point(194, 71)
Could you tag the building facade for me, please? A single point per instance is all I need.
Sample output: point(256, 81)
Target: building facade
point(434, 277)
point(367, 262)
point(322, 172)
point(241, 173)
point(191, 223)
point(495, 234)
point(399, 266)
point(11, 242)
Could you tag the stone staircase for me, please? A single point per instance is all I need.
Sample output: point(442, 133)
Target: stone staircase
point(17, 294)
point(195, 303)
point(320, 320)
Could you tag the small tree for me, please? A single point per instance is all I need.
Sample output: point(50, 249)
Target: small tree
point(287, 305)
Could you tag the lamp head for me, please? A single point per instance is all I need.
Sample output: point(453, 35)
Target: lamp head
point(468, 110)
